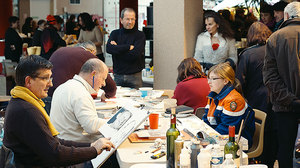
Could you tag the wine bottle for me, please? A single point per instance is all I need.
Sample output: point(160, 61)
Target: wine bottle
point(231, 147)
point(172, 135)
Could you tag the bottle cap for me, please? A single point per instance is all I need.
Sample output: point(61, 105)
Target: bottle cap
point(179, 138)
point(173, 110)
point(228, 156)
point(231, 131)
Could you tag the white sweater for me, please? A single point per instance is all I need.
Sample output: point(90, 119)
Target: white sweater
point(205, 54)
point(73, 111)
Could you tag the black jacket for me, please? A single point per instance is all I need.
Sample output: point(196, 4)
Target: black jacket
point(36, 39)
point(249, 73)
point(281, 70)
point(12, 38)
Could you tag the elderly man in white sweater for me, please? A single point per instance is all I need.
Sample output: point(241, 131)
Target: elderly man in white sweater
point(73, 109)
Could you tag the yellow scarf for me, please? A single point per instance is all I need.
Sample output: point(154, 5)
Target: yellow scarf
point(27, 95)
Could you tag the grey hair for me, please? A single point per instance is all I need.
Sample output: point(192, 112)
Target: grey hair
point(293, 9)
point(93, 64)
point(88, 46)
point(126, 9)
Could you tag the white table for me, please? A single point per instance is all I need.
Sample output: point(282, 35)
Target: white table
point(135, 154)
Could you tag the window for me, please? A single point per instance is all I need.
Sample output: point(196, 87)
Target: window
point(74, 1)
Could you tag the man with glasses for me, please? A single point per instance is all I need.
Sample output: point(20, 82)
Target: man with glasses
point(127, 46)
point(28, 131)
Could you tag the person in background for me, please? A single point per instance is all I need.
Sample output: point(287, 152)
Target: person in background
point(278, 13)
point(127, 46)
point(281, 75)
point(226, 106)
point(28, 131)
point(50, 39)
point(71, 25)
point(249, 69)
point(13, 42)
point(90, 32)
point(36, 40)
point(217, 44)
point(240, 30)
point(192, 87)
point(267, 15)
point(249, 73)
point(100, 27)
point(78, 54)
point(27, 27)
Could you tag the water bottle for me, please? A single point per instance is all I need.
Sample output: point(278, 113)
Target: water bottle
point(195, 147)
point(185, 158)
point(228, 163)
point(204, 158)
point(216, 157)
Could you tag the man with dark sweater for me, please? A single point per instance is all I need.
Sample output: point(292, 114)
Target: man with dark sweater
point(28, 131)
point(127, 46)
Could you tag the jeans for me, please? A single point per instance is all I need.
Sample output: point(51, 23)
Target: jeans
point(287, 132)
point(132, 81)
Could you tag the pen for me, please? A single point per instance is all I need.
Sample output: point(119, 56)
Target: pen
point(93, 80)
point(156, 150)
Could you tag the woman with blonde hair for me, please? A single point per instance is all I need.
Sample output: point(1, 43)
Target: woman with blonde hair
point(226, 106)
point(192, 88)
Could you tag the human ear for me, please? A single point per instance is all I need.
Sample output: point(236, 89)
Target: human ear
point(28, 81)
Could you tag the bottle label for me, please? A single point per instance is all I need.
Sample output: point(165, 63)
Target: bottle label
point(216, 160)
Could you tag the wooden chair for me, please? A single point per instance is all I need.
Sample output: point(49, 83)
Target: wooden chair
point(258, 137)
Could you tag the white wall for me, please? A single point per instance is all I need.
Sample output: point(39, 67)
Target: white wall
point(39, 9)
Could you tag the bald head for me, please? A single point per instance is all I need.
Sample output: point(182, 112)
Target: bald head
point(94, 71)
point(93, 64)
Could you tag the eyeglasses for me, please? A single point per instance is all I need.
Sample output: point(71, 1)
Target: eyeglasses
point(129, 19)
point(213, 79)
point(45, 78)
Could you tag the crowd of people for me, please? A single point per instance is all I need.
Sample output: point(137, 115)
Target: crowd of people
point(59, 83)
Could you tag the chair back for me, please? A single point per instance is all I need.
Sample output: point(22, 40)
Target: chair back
point(258, 137)
point(200, 111)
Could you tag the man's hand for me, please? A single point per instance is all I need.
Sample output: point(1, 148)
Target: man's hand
point(103, 98)
point(131, 47)
point(113, 43)
point(102, 144)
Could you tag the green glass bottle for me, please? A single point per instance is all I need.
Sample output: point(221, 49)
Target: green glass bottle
point(172, 135)
point(231, 147)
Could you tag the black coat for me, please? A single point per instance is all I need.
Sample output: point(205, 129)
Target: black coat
point(249, 72)
point(13, 45)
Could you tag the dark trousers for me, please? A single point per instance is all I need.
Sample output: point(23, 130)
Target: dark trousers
point(132, 80)
point(270, 150)
point(287, 132)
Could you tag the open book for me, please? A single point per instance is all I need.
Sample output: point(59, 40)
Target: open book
point(118, 128)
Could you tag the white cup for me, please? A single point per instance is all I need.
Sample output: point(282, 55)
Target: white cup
point(145, 91)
